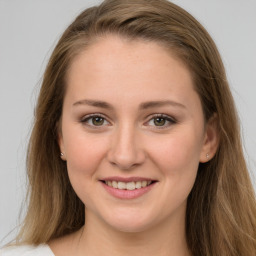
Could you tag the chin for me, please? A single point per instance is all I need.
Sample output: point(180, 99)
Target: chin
point(130, 222)
point(131, 227)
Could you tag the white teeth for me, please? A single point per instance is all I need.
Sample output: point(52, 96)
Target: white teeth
point(114, 184)
point(121, 185)
point(128, 185)
point(138, 184)
point(144, 184)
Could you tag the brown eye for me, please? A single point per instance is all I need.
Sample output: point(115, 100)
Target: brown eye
point(97, 120)
point(159, 121)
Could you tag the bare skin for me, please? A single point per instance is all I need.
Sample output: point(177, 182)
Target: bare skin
point(125, 244)
point(131, 111)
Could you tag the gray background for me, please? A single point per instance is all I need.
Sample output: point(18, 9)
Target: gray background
point(29, 29)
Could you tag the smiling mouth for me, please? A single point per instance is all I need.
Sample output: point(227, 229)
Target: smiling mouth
point(132, 185)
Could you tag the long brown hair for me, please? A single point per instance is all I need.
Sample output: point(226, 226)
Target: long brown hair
point(221, 208)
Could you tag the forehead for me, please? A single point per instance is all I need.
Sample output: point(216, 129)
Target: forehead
point(109, 46)
point(125, 67)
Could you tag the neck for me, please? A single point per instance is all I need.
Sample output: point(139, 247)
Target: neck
point(164, 239)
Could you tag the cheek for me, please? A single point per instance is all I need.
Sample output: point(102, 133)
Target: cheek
point(177, 158)
point(84, 153)
point(178, 150)
point(84, 156)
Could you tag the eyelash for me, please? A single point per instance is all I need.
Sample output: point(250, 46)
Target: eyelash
point(166, 118)
point(85, 120)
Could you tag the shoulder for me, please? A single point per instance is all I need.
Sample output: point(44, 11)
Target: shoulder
point(27, 250)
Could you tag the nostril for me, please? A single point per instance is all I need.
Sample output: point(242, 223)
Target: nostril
point(125, 152)
point(124, 164)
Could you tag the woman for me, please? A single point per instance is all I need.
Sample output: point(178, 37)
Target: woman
point(136, 147)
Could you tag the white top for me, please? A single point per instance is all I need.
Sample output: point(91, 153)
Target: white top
point(27, 250)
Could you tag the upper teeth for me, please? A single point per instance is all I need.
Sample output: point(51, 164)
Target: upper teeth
point(128, 185)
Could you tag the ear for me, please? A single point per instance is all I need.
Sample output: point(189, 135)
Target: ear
point(60, 142)
point(211, 139)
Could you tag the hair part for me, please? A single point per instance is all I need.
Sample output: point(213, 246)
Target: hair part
point(221, 209)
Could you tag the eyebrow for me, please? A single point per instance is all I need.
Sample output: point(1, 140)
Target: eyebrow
point(161, 103)
point(144, 105)
point(94, 103)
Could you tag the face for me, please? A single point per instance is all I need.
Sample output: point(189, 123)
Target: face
point(132, 133)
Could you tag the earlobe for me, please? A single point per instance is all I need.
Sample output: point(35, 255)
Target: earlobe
point(61, 146)
point(62, 151)
point(211, 139)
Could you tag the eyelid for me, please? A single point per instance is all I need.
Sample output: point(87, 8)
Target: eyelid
point(168, 118)
point(85, 118)
point(92, 115)
point(171, 120)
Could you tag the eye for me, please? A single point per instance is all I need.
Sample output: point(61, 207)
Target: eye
point(161, 121)
point(95, 120)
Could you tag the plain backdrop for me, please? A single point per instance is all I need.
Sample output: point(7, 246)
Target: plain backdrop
point(29, 30)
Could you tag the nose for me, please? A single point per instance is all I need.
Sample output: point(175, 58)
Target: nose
point(126, 149)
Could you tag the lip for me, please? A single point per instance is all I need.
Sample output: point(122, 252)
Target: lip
point(127, 194)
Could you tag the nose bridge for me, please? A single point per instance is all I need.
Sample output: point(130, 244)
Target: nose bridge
point(126, 150)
